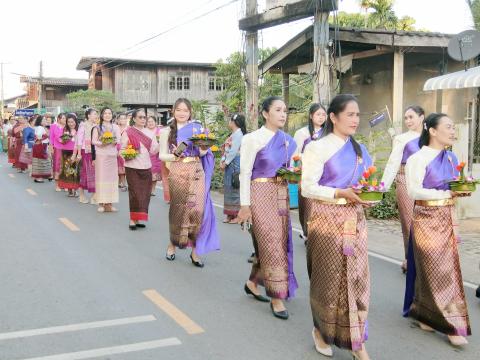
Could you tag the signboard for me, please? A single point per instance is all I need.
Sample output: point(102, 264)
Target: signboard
point(377, 119)
point(25, 112)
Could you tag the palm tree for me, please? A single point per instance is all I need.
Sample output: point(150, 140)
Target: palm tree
point(383, 16)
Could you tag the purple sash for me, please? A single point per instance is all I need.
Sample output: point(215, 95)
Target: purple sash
point(440, 171)
point(410, 148)
point(273, 156)
point(135, 137)
point(310, 138)
point(207, 239)
point(342, 170)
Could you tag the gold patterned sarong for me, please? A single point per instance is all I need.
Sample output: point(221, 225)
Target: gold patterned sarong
point(337, 264)
point(187, 201)
point(270, 219)
point(405, 206)
point(439, 299)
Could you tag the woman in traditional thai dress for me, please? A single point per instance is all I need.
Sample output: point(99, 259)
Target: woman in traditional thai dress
point(265, 205)
point(404, 145)
point(317, 115)
point(106, 165)
point(165, 174)
point(83, 154)
point(231, 165)
point(11, 140)
point(69, 177)
point(4, 135)
point(17, 132)
point(191, 215)
point(434, 293)
point(41, 162)
point(337, 259)
point(122, 126)
point(155, 160)
point(28, 141)
point(138, 169)
point(56, 131)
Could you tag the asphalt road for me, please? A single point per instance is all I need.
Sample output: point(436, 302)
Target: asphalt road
point(88, 287)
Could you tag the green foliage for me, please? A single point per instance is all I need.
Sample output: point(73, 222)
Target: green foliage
point(475, 10)
point(218, 125)
point(200, 110)
point(387, 208)
point(379, 14)
point(92, 98)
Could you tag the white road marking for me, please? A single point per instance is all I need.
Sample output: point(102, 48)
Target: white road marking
point(31, 192)
point(121, 349)
point(375, 255)
point(76, 327)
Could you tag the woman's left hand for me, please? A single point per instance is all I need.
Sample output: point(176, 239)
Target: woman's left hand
point(223, 165)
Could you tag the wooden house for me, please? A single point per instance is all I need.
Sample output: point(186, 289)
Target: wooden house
point(153, 85)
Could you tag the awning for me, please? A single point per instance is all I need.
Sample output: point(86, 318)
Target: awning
point(457, 80)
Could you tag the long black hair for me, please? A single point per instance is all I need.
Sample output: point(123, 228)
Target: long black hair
point(431, 121)
point(172, 137)
point(313, 109)
point(38, 120)
point(73, 116)
point(338, 105)
point(100, 125)
point(239, 121)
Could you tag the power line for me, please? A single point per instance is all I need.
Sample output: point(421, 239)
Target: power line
point(132, 49)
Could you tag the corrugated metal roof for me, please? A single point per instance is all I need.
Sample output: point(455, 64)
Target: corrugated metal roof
point(86, 62)
point(457, 80)
point(55, 81)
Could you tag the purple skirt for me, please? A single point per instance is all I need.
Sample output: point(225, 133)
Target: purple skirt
point(87, 174)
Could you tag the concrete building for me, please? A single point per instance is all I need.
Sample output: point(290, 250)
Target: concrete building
point(389, 69)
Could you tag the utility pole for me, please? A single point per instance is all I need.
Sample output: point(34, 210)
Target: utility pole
point(251, 96)
point(321, 56)
point(1, 89)
point(40, 81)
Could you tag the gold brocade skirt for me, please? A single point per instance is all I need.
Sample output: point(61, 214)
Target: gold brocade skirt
point(270, 219)
point(405, 207)
point(439, 299)
point(337, 264)
point(187, 201)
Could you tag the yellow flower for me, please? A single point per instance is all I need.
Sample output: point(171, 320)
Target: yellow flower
point(107, 134)
point(374, 182)
point(214, 148)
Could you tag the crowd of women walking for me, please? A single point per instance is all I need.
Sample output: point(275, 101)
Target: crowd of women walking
point(86, 159)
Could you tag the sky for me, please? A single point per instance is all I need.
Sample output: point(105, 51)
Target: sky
point(60, 32)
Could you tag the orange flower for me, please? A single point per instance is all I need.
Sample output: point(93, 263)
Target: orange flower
point(296, 158)
point(461, 166)
point(372, 169)
point(366, 174)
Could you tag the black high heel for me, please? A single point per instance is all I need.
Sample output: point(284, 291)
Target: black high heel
point(257, 297)
point(140, 225)
point(132, 227)
point(197, 263)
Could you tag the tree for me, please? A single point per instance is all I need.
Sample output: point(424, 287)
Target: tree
point(97, 99)
point(474, 6)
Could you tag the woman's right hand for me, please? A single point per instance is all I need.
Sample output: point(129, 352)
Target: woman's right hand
point(349, 194)
point(244, 215)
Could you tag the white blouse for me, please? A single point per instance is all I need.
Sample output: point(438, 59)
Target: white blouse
point(395, 159)
point(39, 132)
point(415, 174)
point(252, 143)
point(301, 135)
point(316, 154)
